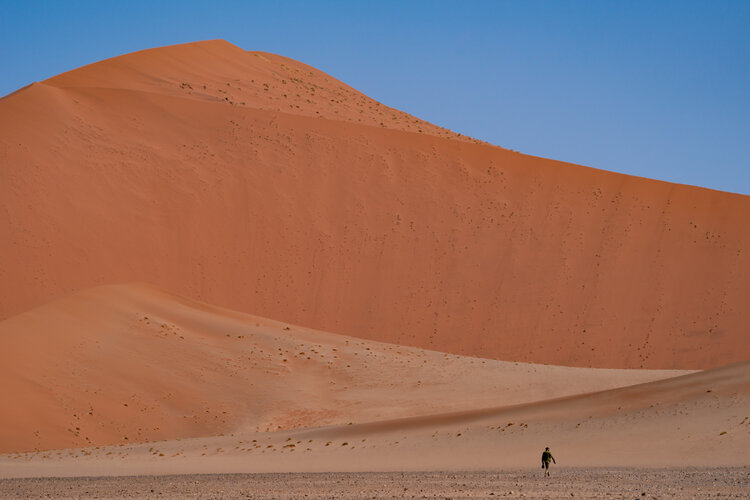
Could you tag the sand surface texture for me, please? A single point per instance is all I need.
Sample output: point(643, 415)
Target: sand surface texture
point(254, 182)
point(701, 418)
point(130, 363)
point(596, 483)
point(227, 392)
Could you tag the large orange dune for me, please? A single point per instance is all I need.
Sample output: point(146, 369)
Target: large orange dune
point(438, 303)
point(130, 363)
point(254, 182)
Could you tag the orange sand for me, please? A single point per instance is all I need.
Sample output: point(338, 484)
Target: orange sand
point(253, 182)
point(125, 364)
point(701, 419)
point(279, 191)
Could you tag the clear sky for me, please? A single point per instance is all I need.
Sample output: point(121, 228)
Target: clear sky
point(659, 89)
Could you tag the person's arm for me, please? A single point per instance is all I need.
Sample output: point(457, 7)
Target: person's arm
point(553, 459)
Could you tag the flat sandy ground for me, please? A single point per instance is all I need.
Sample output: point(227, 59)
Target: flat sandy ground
point(564, 483)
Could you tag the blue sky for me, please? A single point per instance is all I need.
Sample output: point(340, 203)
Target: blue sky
point(659, 89)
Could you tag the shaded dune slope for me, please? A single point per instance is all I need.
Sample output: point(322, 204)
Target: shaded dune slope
point(727, 386)
point(130, 363)
point(700, 419)
point(330, 215)
point(697, 419)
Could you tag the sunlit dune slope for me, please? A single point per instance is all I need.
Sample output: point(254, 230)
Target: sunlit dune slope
point(726, 388)
point(701, 419)
point(305, 208)
point(217, 71)
point(129, 363)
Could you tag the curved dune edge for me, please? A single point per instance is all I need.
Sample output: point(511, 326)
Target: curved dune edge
point(280, 191)
point(220, 72)
point(700, 419)
point(131, 363)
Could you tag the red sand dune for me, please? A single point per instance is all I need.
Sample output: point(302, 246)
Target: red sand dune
point(701, 419)
point(129, 363)
point(257, 183)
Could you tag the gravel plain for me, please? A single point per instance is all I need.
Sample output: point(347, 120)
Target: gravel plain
point(578, 483)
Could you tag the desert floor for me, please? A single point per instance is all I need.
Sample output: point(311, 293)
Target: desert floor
point(564, 483)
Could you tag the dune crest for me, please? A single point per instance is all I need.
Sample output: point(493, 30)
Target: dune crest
point(217, 71)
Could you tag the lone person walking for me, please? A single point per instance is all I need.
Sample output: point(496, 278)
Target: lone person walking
point(546, 457)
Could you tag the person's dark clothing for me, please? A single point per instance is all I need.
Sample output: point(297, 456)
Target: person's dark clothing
point(546, 457)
